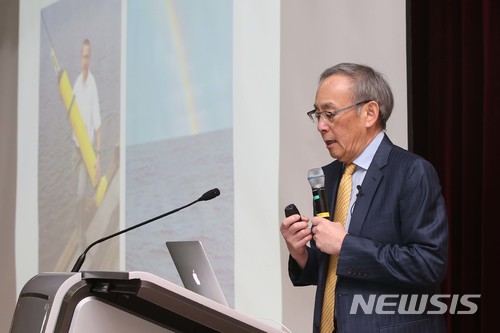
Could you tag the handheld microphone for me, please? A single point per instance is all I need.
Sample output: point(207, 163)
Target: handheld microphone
point(316, 179)
point(209, 195)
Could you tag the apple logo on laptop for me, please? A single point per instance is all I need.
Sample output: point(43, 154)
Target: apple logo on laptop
point(195, 278)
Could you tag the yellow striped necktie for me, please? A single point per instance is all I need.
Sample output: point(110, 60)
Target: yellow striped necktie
point(341, 208)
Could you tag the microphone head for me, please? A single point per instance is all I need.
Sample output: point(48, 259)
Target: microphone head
point(316, 178)
point(209, 195)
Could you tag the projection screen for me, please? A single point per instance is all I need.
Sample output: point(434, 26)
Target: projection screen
point(191, 95)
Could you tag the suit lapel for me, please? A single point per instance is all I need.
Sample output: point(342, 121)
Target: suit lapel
point(370, 184)
point(333, 174)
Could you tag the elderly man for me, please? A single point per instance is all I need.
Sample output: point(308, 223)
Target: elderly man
point(387, 240)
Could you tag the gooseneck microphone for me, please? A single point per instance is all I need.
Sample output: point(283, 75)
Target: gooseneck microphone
point(209, 195)
point(316, 179)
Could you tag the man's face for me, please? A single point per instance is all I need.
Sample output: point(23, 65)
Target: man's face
point(85, 60)
point(345, 137)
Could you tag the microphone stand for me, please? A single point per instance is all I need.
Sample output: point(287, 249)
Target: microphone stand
point(79, 262)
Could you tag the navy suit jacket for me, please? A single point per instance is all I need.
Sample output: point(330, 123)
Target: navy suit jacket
point(397, 245)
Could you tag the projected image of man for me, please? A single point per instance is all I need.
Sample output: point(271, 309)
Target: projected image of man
point(87, 98)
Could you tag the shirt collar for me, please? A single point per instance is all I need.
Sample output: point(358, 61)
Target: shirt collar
point(365, 158)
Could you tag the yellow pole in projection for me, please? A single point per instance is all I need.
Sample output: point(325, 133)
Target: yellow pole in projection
point(86, 149)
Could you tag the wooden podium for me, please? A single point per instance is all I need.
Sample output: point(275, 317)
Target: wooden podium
point(121, 302)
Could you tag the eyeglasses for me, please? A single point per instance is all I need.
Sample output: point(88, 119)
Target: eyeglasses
point(329, 115)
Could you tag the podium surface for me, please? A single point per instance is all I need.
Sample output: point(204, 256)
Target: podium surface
point(121, 302)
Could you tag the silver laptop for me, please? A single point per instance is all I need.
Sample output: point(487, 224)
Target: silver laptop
point(195, 270)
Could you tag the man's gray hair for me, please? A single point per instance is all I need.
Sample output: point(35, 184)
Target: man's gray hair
point(368, 84)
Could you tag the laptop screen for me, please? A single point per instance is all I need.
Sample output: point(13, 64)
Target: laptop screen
point(195, 270)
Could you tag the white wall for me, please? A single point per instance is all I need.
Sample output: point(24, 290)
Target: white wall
point(256, 156)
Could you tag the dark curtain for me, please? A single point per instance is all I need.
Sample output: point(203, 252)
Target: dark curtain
point(455, 119)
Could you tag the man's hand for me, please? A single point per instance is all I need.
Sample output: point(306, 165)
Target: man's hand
point(296, 232)
point(328, 235)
